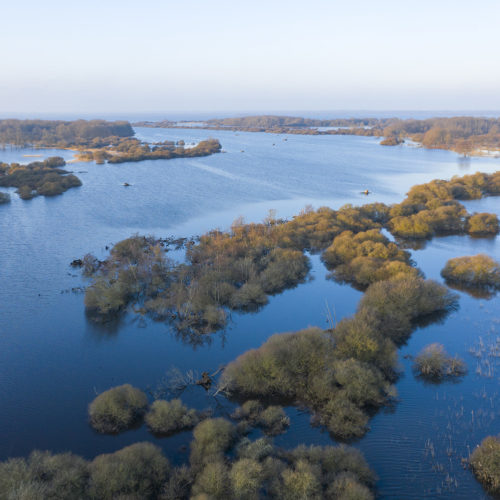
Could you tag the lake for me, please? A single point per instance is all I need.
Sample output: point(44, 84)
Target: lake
point(53, 361)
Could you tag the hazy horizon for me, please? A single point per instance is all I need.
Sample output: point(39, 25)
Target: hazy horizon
point(130, 57)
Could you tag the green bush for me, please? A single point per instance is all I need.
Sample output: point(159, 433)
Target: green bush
point(485, 462)
point(473, 271)
point(246, 479)
point(117, 409)
point(273, 420)
point(434, 364)
point(212, 482)
point(138, 470)
point(4, 198)
point(167, 417)
point(212, 438)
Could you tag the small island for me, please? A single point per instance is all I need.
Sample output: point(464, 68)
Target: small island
point(476, 271)
point(39, 178)
point(97, 140)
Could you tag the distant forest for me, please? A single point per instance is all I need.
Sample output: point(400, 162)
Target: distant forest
point(56, 133)
point(464, 134)
point(97, 140)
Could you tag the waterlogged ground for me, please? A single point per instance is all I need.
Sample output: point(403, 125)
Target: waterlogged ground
point(53, 361)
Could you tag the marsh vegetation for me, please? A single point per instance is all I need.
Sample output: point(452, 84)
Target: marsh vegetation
point(434, 364)
point(475, 271)
point(39, 178)
point(117, 409)
point(222, 465)
point(342, 374)
point(485, 463)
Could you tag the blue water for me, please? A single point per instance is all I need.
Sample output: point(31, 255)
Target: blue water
point(53, 361)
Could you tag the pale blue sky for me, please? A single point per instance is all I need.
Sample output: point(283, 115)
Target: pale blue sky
point(201, 55)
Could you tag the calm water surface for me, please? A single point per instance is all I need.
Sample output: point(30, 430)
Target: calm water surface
point(53, 361)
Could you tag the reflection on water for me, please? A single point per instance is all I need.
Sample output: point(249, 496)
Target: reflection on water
point(53, 361)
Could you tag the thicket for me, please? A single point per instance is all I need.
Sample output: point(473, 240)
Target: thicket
point(479, 271)
point(343, 374)
point(366, 257)
point(169, 417)
point(4, 198)
point(485, 463)
point(117, 409)
point(433, 208)
point(272, 420)
point(57, 133)
point(43, 178)
point(120, 150)
point(222, 465)
point(240, 268)
point(434, 364)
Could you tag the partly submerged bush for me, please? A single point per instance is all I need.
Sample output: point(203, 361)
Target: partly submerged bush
point(167, 417)
point(485, 462)
point(366, 257)
point(483, 224)
point(340, 374)
point(117, 409)
point(253, 470)
point(44, 475)
point(212, 438)
point(473, 271)
point(138, 470)
point(4, 198)
point(272, 420)
point(434, 364)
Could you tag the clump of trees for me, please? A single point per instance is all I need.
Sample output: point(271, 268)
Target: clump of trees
point(222, 465)
point(117, 409)
point(344, 373)
point(61, 134)
point(434, 364)
point(120, 150)
point(476, 271)
point(485, 463)
point(432, 209)
point(4, 198)
point(169, 417)
point(272, 420)
point(43, 178)
point(366, 257)
point(483, 224)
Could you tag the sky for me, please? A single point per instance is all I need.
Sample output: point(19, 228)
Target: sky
point(200, 56)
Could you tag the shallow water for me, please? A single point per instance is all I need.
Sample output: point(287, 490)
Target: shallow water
point(53, 361)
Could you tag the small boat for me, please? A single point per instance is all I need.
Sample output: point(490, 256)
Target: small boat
point(126, 184)
point(365, 192)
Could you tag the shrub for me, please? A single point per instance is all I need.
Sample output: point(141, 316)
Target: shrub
point(117, 409)
point(483, 224)
point(212, 482)
point(138, 470)
point(474, 271)
point(212, 438)
point(434, 364)
point(4, 198)
point(301, 482)
point(393, 305)
point(485, 462)
point(167, 417)
point(246, 479)
point(346, 487)
point(273, 420)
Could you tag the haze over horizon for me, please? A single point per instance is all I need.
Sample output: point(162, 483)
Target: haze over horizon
point(130, 57)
